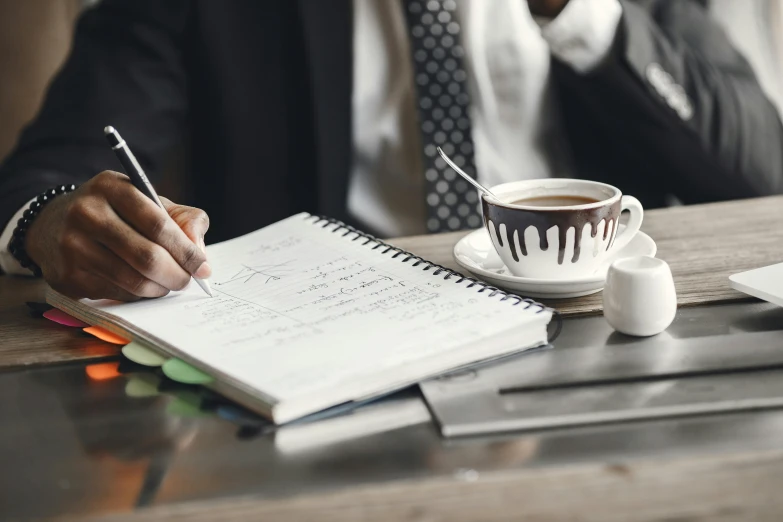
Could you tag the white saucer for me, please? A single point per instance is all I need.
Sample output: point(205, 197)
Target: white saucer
point(476, 254)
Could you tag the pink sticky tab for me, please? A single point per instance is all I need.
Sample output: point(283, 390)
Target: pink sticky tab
point(60, 317)
point(105, 335)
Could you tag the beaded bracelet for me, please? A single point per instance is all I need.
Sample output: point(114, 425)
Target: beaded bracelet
point(16, 245)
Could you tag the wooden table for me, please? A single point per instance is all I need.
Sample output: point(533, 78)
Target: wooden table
point(703, 245)
point(26, 340)
point(705, 469)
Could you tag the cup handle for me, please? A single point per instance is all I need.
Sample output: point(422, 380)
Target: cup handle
point(631, 204)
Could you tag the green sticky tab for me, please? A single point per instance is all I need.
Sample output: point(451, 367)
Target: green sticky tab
point(181, 371)
point(140, 354)
point(186, 404)
point(142, 386)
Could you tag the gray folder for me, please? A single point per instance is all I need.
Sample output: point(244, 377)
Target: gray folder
point(561, 387)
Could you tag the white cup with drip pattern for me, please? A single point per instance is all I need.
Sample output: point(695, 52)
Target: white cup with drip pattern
point(558, 228)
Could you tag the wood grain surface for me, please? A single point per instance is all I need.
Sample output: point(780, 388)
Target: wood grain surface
point(26, 340)
point(723, 488)
point(703, 244)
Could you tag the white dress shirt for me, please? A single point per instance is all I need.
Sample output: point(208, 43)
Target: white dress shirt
point(517, 132)
point(516, 126)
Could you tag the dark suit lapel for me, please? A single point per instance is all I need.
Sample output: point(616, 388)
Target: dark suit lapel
point(328, 33)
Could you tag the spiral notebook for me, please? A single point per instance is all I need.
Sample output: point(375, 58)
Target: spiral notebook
point(309, 313)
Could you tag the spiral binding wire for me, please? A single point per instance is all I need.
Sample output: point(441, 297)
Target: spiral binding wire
point(318, 220)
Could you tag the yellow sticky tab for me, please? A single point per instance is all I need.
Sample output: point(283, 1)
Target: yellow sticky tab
point(140, 354)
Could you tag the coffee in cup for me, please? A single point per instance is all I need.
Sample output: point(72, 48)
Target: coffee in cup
point(558, 228)
point(565, 200)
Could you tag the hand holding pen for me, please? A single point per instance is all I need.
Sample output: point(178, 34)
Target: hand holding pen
point(109, 240)
point(140, 181)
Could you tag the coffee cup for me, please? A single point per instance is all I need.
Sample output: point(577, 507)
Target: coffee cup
point(558, 228)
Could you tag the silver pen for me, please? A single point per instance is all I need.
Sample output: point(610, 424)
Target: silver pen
point(139, 179)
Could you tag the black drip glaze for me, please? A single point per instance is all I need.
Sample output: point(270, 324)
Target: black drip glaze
point(518, 220)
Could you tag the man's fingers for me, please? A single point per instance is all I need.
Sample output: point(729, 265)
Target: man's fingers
point(150, 259)
point(156, 225)
point(86, 248)
point(194, 222)
point(100, 261)
point(82, 284)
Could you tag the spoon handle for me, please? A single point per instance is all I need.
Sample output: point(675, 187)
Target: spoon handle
point(465, 175)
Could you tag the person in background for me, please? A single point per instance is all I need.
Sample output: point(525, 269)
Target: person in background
point(337, 108)
point(756, 29)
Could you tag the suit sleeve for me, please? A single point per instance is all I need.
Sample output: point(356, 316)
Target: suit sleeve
point(125, 69)
point(677, 97)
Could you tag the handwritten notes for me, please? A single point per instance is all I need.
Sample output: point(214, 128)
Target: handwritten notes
point(299, 307)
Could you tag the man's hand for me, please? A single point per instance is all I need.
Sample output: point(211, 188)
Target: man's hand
point(547, 8)
point(107, 240)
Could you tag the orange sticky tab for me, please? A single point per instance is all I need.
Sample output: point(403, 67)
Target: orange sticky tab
point(105, 335)
point(102, 371)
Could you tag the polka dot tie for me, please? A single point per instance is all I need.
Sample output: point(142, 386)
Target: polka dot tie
point(452, 204)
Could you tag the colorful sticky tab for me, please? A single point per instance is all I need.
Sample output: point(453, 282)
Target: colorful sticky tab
point(60, 317)
point(140, 354)
point(142, 385)
point(181, 371)
point(102, 371)
point(240, 415)
point(105, 335)
point(186, 403)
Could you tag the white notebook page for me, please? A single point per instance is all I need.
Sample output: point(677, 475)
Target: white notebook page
point(298, 309)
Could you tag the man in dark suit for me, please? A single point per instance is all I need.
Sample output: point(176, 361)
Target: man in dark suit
point(317, 105)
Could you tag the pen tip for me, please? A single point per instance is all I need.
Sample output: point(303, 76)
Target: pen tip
point(204, 284)
point(108, 129)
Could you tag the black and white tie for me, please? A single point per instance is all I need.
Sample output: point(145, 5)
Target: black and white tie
point(443, 100)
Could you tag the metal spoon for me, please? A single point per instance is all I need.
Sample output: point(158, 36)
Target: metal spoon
point(462, 173)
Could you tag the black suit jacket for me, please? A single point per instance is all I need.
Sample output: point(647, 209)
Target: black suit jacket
point(260, 92)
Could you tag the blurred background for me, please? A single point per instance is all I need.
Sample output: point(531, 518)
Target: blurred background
point(35, 37)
